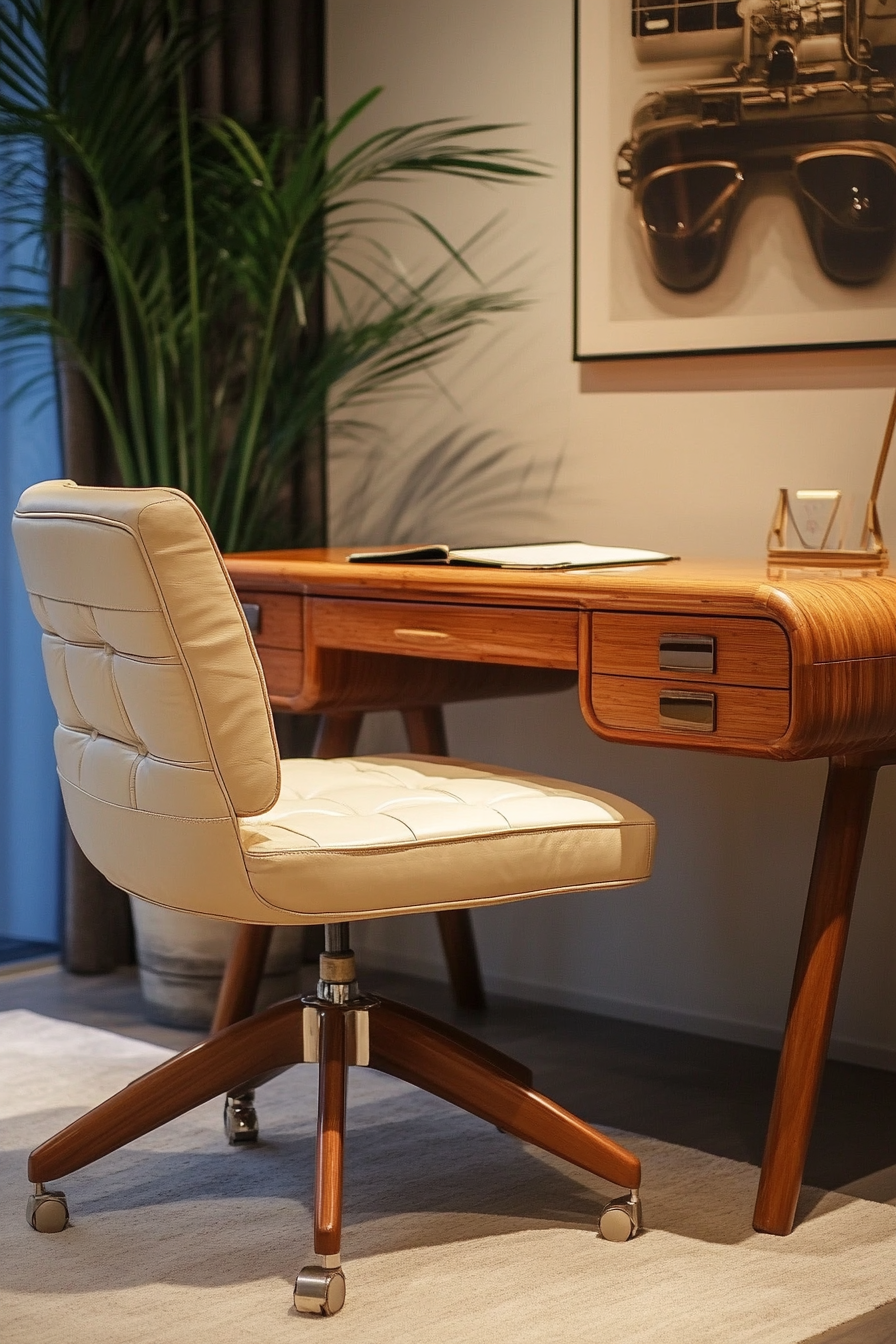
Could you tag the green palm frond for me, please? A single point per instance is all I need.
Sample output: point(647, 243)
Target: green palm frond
point(205, 246)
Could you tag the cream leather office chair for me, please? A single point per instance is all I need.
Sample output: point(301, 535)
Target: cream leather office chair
point(175, 790)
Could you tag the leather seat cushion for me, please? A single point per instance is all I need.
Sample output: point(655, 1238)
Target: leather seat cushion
point(435, 834)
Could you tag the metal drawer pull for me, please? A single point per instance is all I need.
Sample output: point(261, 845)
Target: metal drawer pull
point(420, 634)
point(693, 711)
point(692, 653)
point(252, 613)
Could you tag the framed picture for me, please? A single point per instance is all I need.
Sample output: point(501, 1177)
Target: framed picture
point(735, 175)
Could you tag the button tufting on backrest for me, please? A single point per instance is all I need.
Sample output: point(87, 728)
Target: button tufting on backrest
point(156, 684)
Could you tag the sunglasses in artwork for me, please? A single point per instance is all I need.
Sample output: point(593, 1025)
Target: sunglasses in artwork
point(696, 151)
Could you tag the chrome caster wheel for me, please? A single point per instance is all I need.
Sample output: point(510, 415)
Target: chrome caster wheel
point(319, 1291)
point(47, 1210)
point(621, 1219)
point(241, 1119)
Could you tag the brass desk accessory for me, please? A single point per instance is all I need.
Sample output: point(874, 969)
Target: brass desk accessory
point(871, 552)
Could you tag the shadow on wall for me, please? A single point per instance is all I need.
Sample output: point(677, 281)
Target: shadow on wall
point(465, 489)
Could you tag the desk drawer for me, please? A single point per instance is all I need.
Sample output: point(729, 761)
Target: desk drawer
point(531, 638)
point(700, 711)
point(277, 624)
point(283, 670)
point(275, 620)
point(739, 652)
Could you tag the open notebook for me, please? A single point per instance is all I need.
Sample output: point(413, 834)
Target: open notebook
point(547, 555)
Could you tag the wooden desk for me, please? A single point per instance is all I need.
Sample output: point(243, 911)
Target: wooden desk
point(706, 657)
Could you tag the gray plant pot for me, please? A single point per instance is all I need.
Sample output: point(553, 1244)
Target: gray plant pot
point(181, 959)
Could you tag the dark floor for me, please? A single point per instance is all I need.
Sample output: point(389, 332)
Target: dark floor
point(690, 1090)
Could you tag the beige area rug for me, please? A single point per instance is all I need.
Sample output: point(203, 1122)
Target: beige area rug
point(454, 1233)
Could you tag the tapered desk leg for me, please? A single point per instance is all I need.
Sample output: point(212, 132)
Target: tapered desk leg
point(236, 1001)
point(239, 988)
point(337, 735)
point(838, 856)
point(425, 728)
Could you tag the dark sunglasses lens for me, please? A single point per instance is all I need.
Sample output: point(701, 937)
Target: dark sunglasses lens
point(687, 213)
point(849, 207)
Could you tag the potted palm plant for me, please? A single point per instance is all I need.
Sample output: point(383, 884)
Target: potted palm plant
point(191, 256)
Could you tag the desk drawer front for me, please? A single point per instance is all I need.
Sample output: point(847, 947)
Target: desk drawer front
point(282, 673)
point(533, 638)
point(277, 623)
point(275, 620)
point(739, 652)
point(703, 712)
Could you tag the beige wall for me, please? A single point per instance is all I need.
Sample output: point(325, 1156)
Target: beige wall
point(709, 943)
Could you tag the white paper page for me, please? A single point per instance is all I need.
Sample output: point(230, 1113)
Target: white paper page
point(556, 555)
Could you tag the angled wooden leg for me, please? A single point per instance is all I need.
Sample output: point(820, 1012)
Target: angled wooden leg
point(423, 1053)
point(251, 1050)
point(459, 946)
point(239, 988)
point(236, 1001)
point(426, 732)
point(425, 728)
point(487, 1054)
point(838, 856)
point(330, 1134)
point(337, 735)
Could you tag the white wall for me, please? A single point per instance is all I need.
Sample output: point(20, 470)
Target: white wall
point(709, 943)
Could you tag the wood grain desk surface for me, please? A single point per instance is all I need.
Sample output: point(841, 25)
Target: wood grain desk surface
point(803, 662)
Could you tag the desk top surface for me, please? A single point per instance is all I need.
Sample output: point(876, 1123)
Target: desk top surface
point(733, 587)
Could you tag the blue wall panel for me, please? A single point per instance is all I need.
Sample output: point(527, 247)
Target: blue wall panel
point(30, 809)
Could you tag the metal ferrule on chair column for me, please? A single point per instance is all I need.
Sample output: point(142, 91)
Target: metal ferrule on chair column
point(337, 983)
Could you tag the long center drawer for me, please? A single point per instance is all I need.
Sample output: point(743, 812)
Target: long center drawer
point(531, 638)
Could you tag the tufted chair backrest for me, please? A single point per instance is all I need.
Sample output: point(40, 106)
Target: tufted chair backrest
point(153, 672)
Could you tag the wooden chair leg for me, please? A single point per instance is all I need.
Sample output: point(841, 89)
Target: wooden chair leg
point(425, 728)
point(838, 856)
point(249, 1051)
point(330, 1134)
point(487, 1054)
point(423, 1053)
